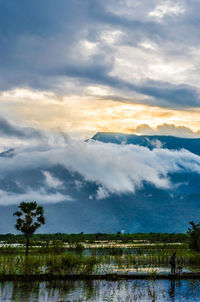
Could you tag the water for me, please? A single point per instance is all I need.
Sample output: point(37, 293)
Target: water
point(100, 291)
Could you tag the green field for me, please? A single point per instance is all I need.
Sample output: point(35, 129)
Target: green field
point(61, 254)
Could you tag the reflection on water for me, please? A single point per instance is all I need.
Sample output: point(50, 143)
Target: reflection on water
point(91, 291)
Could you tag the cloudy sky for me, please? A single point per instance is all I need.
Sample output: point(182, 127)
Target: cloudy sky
point(95, 65)
point(71, 68)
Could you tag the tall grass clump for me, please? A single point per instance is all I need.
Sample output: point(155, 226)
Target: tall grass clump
point(20, 265)
point(69, 264)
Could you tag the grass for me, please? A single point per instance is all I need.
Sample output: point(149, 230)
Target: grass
point(46, 264)
point(57, 259)
point(70, 264)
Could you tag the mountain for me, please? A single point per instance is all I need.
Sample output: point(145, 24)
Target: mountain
point(166, 142)
point(148, 209)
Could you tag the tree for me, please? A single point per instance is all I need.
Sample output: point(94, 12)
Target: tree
point(30, 218)
point(194, 236)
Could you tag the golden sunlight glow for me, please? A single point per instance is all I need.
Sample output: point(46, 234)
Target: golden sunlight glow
point(86, 115)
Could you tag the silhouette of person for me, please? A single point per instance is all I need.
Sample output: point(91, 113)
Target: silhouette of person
point(172, 262)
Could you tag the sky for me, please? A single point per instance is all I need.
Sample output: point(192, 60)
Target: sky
point(72, 68)
point(86, 66)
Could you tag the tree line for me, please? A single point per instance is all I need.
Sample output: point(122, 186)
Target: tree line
point(30, 217)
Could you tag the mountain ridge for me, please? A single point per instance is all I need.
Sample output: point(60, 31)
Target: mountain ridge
point(151, 141)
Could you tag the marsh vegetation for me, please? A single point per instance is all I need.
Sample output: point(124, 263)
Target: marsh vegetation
point(60, 258)
point(57, 256)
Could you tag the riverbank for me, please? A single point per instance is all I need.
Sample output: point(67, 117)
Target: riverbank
point(108, 277)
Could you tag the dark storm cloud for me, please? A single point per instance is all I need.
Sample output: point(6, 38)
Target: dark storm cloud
point(169, 95)
point(31, 34)
point(7, 129)
point(8, 153)
point(40, 46)
point(172, 95)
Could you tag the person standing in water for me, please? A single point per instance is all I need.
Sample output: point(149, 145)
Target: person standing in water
point(172, 262)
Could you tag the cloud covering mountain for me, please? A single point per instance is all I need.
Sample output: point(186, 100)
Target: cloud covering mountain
point(109, 169)
point(115, 168)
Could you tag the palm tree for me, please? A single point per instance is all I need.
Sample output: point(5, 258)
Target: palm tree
point(30, 218)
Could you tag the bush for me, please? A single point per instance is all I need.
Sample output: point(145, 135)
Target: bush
point(194, 236)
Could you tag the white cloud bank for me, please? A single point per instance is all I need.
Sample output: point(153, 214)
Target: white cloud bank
point(11, 198)
point(170, 8)
point(123, 168)
point(114, 168)
point(52, 181)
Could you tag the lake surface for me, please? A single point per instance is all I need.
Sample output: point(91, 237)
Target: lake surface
point(91, 291)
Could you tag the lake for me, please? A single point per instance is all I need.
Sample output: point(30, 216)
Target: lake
point(100, 291)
